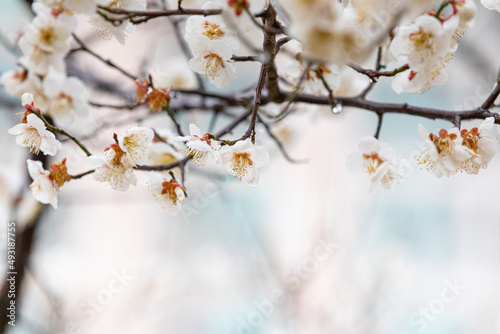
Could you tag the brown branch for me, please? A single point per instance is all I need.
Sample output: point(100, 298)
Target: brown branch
point(79, 176)
point(491, 99)
point(108, 62)
point(112, 106)
point(379, 125)
point(245, 58)
point(137, 17)
point(227, 129)
point(382, 108)
point(271, 50)
point(377, 74)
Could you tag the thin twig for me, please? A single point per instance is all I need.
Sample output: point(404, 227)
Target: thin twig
point(108, 62)
point(79, 176)
point(138, 17)
point(379, 125)
point(280, 144)
point(493, 96)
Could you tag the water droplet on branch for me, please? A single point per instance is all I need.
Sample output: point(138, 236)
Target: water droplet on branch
point(337, 109)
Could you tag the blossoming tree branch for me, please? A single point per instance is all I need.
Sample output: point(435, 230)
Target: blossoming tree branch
point(328, 44)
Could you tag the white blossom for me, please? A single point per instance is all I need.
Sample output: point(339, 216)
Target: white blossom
point(27, 99)
point(213, 59)
point(198, 146)
point(167, 192)
point(65, 97)
point(481, 146)
point(466, 11)
point(441, 155)
point(107, 29)
point(115, 169)
point(491, 4)
point(312, 82)
point(243, 160)
point(18, 82)
point(426, 45)
point(211, 28)
point(135, 143)
point(43, 188)
point(379, 161)
point(75, 6)
point(46, 40)
point(34, 135)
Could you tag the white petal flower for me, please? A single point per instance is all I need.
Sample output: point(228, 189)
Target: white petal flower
point(491, 4)
point(198, 146)
point(313, 83)
point(422, 43)
point(27, 99)
point(379, 161)
point(135, 142)
point(466, 11)
point(115, 169)
point(427, 45)
point(34, 135)
point(167, 192)
point(46, 40)
point(18, 82)
point(211, 28)
point(242, 160)
point(76, 6)
point(410, 81)
point(43, 188)
point(65, 96)
point(213, 59)
point(480, 145)
point(107, 29)
point(330, 33)
point(442, 156)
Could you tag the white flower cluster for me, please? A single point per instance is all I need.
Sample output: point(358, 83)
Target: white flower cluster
point(213, 44)
point(136, 147)
point(339, 33)
point(445, 154)
point(241, 159)
point(44, 45)
point(427, 45)
point(313, 80)
point(131, 149)
point(380, 162)
point(455, 151)
point(32, 133)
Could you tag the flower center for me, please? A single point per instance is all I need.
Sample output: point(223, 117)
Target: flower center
point(444, 143)
point(240, 164)
point(117, 161)
point(33, 140)
point(470, 139)
point(47, 36)
point(372, 162)
point(213, 64)
point(422, 40)
point(59, 174)
point(169, 190)
point(62, 104)
point(212, 30)
point(158, 99)
point(199, 157)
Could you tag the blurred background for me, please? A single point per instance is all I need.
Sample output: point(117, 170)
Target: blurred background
point(309, 250)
